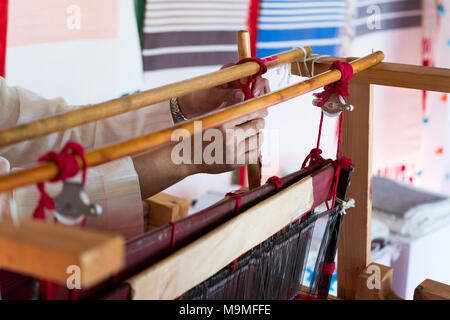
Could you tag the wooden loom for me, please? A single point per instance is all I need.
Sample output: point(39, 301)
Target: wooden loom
point(55, 247)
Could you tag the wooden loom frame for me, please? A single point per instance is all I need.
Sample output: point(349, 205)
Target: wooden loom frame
point(354, 247)
point(355, 242)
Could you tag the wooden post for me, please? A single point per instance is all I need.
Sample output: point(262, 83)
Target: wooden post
point(244, 51)
point(354, 243)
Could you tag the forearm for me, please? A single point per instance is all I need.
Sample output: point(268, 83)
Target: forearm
point(157, 171)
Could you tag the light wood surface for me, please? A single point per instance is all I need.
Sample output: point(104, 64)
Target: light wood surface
point(49, 171)
point(354, 242)
point(244, 51)
point(432, 290)
point(46, 250)
point(163, 208)
point(392, 74)
point(367, 287)
point(176, 274)
point(139, 100)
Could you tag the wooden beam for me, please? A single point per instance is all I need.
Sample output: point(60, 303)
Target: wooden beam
point(354, 243)
point(46, 250)
point(375, 283)
point(244, 51)
point(432, 290)
point(391, 74)
point(189, 266)
point(50, 171)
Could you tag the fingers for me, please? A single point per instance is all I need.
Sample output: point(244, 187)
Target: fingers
point(226, 96)
point(256, 125)
point(246, 118)
point(246, 149)
point(260, 87)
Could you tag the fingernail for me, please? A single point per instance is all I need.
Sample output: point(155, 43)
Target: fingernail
point(257, 92)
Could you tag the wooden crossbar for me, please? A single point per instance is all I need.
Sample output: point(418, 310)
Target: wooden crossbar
point(49, 171)
point(139, 100)
point(390, 74)
point(47, 250)
point(196, 262)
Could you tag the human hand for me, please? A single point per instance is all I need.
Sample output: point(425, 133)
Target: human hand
point(242, 139)
point(204, 101)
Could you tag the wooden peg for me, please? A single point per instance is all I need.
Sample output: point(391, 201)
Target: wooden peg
point(244, 51)
point(375, 283)
point(163, 208)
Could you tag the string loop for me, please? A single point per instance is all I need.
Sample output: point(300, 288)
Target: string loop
point(68, 167)
point(340, 88)
point(247, 88)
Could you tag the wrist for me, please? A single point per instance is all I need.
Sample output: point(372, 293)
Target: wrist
point(178, 115)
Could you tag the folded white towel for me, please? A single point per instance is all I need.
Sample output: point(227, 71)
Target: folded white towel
point(408, 210)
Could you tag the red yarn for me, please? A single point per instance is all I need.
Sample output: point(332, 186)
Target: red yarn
point(238, 199)
point(234, 265)
point(3, 34)
point(307, 296)
point(252, 24)
point(247, 88)
point(342, 163)
point(172, 239)
point(314, 157)
point(68, 167)
point(276, 181)
point(242, 174)
point(328, 268)
point(340, 88)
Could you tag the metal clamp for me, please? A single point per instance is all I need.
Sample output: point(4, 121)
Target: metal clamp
point(334, 105)
point(73, 204)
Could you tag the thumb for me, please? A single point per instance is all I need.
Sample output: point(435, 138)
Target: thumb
point(228, 96)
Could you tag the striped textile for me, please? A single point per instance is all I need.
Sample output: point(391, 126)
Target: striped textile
point(284, 24)
point(181, 33)
point(394, 14)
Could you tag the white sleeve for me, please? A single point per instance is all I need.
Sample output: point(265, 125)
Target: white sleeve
point(114, 185)
point(18, 106)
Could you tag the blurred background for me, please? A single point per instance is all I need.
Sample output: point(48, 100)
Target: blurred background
point(90, 51)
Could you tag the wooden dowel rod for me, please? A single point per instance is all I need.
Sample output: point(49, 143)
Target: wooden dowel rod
point(42, 127)
point(49, 171)
point(244, 51)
